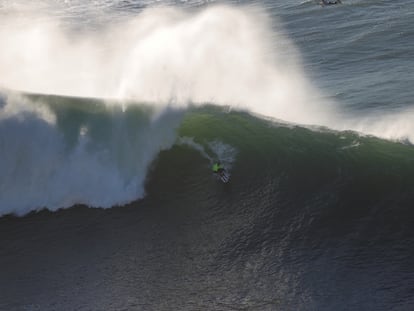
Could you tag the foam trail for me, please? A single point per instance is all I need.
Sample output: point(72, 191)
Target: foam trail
point(214, 151)
point(189, 141)
point(225, 153)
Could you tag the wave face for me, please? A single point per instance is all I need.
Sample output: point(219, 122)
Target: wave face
point(60, 151)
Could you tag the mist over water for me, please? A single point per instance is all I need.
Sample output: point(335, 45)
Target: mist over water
point(222, 55)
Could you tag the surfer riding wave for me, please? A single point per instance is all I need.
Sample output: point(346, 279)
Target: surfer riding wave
point(219, 169)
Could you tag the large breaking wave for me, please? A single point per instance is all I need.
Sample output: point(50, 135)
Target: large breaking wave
point(56, 152)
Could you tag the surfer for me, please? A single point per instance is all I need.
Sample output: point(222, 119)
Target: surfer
point(218, 168)
point(221, 172)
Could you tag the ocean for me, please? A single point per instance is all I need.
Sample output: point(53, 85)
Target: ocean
point(113, 112)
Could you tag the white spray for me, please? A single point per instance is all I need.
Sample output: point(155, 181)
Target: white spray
point(222, 55)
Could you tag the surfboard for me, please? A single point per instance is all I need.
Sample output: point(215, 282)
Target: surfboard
point(224, 177)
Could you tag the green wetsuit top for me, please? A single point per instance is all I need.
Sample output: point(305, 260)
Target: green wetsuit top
point(217, 167)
